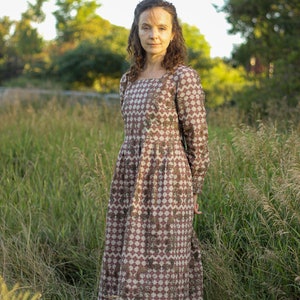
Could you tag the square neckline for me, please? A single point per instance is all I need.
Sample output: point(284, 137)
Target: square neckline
point(153, 78)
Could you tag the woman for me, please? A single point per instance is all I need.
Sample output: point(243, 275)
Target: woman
point(151, 249)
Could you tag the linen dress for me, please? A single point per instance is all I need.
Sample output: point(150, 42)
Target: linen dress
point(151, 250)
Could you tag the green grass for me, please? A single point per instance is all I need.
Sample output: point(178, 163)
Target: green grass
point(251, 232)
point(56, 164)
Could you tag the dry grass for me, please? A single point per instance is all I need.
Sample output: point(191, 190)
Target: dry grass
point(16, 293)
point(56, 164)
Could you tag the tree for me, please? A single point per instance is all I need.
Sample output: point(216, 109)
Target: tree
point(271, 30)
point(5, 34)
point(221, 82)
point(197, 46)
point(92, 60)
point(34, 12)
point(19, 42)
point(74, 17)
point(26, 39)
point(5, 28)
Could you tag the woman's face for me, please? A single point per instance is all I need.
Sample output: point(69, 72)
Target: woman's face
point(155, 31)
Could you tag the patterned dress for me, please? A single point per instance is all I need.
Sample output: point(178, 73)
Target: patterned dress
point(151, 249)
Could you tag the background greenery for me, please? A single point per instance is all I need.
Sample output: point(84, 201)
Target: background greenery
point(89, 53)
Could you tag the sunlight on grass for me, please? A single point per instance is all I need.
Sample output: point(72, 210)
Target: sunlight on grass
point(16, 292)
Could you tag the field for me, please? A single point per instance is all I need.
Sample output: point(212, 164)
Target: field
point(56, 164)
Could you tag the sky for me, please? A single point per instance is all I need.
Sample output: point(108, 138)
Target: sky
point(199, 13)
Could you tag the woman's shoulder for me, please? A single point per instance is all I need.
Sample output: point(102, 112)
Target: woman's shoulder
point(184, 72)
point(124, 77)
point(124, 80)
point(123, 83)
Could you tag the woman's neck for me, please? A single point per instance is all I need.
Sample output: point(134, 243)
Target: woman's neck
point(153, 69)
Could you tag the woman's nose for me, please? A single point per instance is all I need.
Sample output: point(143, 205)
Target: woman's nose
point(153, 33)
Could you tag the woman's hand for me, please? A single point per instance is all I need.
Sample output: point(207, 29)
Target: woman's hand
point(196, 206)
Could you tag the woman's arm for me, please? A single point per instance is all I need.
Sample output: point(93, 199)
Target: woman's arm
point(192, 115)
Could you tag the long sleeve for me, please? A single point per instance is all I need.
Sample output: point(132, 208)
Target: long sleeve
point(122, 87)
point(192, 115)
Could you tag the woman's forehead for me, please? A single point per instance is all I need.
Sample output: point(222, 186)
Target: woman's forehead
point(156, 15)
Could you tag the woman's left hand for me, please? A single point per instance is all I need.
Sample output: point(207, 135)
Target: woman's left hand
point(196, 206)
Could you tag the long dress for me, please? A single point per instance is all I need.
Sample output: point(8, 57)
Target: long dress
point(151, 249)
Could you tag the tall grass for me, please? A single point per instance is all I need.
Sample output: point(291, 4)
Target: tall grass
point(56, 164)
point(251, 228)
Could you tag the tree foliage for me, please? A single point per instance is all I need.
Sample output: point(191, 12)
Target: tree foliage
point(198, 47)
point(271, 30)
point(87, 63)
point(35, 11)
point(19, 43)
point(26, 39)
point(222, 82)
point(5, 28)
point(272, 25)
point(76, 19)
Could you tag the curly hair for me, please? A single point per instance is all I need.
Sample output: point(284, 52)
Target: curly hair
point(176, 52)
